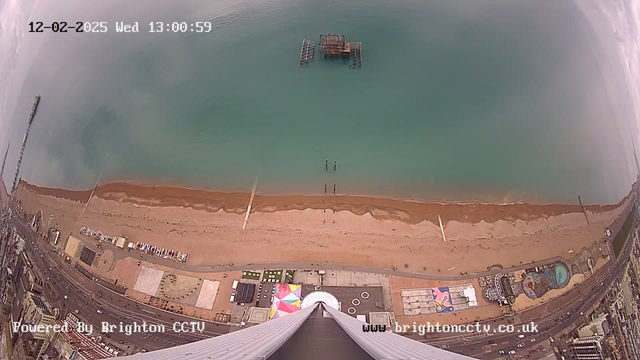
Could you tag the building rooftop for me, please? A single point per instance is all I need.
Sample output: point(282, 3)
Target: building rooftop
point(354, 300)
point(258, 315)
point(86, 346)
point(320, 338)
point(40, 304)
point(265, 295)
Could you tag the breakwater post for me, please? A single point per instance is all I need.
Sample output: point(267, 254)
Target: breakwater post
point(335, 162)
point(24, 141)
point(253, 194)
point(584, 211)
point(325, 188)
point(442, 228)
point(326, 165)
point(334, 188)
point(90, 196)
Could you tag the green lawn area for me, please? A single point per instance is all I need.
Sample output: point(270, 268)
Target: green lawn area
point(251, 275)
point(274, 276)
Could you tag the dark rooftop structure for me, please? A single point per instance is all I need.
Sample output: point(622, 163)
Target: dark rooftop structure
point(87, 256)
point(40, 304)
point(265, 295)
point(245, 292)
point(83, 271)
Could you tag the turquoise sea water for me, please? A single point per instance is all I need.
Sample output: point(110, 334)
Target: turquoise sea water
point(497, 100)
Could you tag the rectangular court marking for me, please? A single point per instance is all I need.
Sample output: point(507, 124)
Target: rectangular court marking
point(148, 280)
point(207, 295)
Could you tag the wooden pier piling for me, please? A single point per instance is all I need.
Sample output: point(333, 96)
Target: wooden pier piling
point(355, 56)
point(326, 165)
point(307, 51)
point(334, 188)
point(334, 164)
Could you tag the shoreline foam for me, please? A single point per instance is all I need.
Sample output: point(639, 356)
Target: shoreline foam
point(381, 208)
point(371, 232)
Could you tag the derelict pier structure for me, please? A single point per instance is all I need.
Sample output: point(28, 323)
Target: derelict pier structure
point(307, 51)
point(336, 45)
point(333, 46)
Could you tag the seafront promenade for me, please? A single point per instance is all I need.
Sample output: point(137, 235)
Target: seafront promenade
point(465, 346)
point(371, 236)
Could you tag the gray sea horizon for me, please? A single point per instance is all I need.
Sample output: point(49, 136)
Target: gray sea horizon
point(460, 100)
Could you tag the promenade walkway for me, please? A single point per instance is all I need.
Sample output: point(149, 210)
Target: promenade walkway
point(120, 254)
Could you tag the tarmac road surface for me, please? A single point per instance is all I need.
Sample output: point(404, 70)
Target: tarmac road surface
point(551, 318)
point(83, 295)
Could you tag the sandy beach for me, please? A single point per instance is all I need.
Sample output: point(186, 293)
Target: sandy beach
point(354, 230)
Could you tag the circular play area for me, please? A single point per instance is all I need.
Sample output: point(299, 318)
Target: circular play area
point(179, 287)
point(106, 262)
point(562, 275)
point(536, 284)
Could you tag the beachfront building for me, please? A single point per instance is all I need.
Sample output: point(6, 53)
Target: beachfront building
point(469, 293)
point(588, 348)
point(73, 344)
point(297, 335)
point(598, 327)
point(35, 312)
point(502, 289)
point(438, 300)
